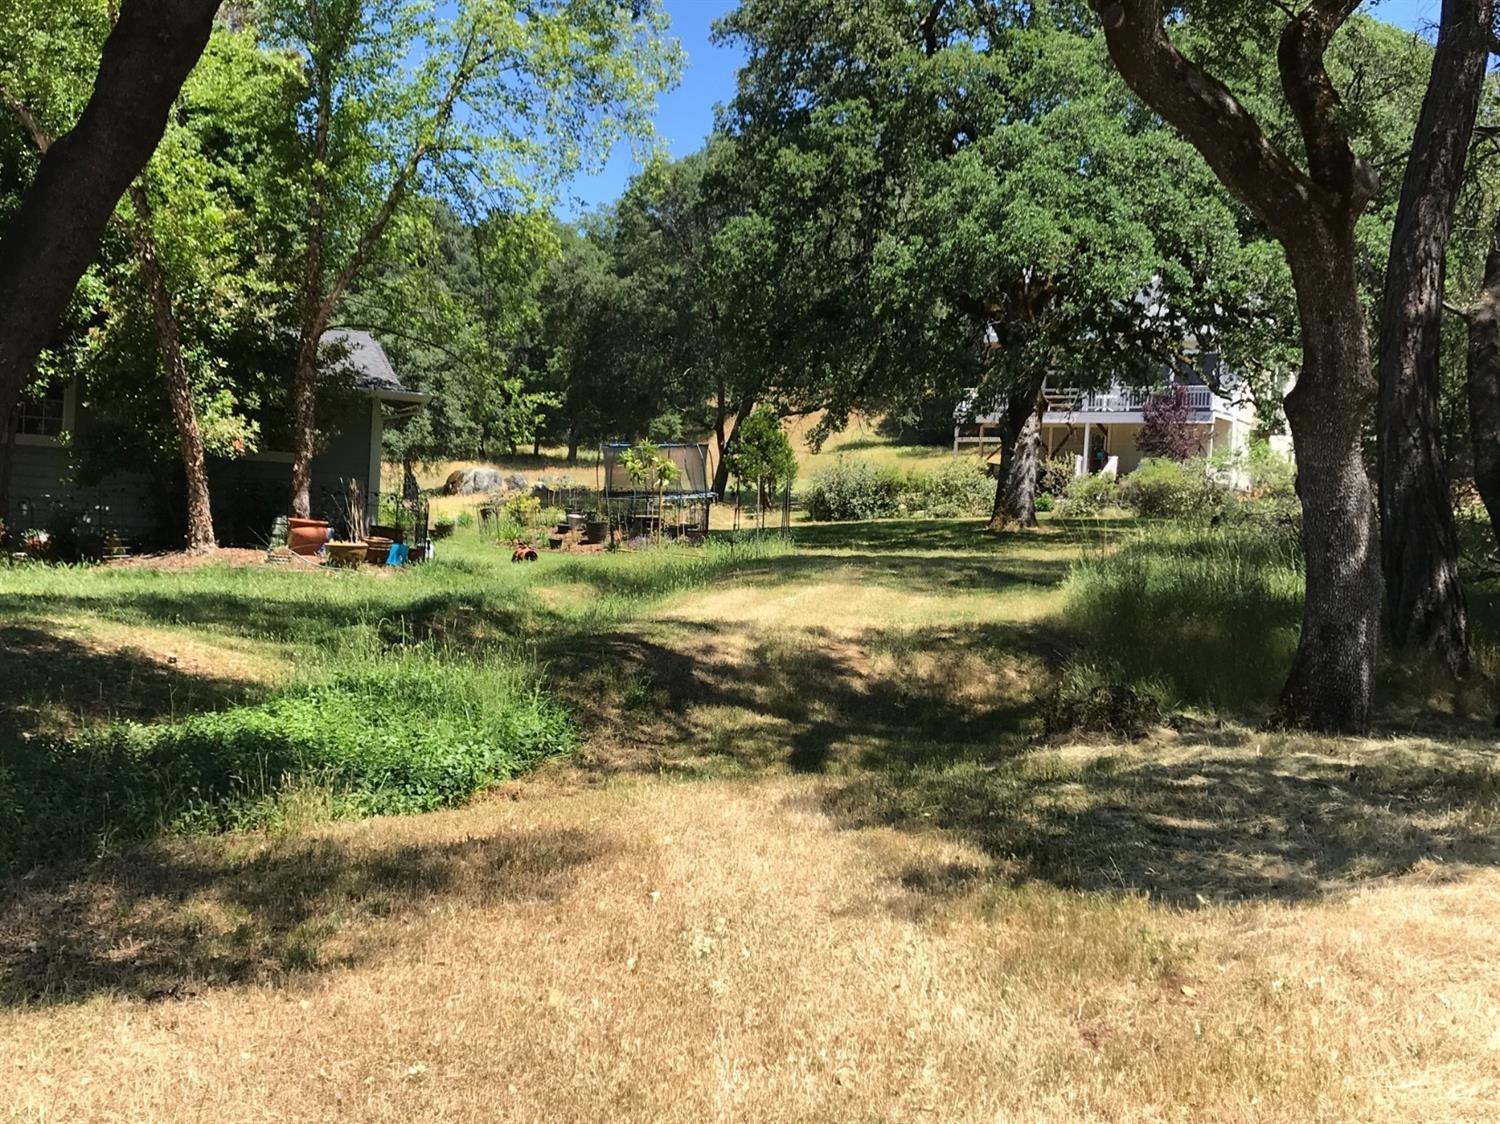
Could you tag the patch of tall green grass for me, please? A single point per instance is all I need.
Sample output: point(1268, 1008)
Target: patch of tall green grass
point(412, 691)
point(1211, 612)
point(406, 732)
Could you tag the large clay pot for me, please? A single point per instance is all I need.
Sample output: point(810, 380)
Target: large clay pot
point(346, 554)
point(306, 536)
point(377, 550)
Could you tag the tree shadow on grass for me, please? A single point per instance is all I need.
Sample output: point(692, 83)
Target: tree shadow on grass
point(55, 683)
point(705, 697)
point(172, 920)
point(1205, 821)
point(925, 536)
point(307, 620)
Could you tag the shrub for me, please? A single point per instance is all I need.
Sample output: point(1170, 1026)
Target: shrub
point(852, 490)
point(403, 734)
point(961, 487)
point(1089, 495)
point(1045, 501)
point(1101, 699)
point(1055, 476)
point(1272, 476)
point(1165, 488)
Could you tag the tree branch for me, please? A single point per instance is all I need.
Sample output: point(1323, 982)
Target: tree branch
point(1201, 107)
point(1314, 101)
point(55, 232)
point(39, 136)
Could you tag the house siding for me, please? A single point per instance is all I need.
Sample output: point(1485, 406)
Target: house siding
point(247, 494)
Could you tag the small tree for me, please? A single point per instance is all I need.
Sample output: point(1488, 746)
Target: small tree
point(651, 468)
point(761, 452)
point(1169, 430)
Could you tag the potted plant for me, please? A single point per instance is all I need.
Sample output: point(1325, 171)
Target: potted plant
point(443, 527)
point(347, 555)
point(595, 527)
point(350, 552)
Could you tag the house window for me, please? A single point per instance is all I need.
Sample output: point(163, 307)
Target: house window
point(42, 417)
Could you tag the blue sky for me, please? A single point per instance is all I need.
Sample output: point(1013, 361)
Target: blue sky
point(685, 116)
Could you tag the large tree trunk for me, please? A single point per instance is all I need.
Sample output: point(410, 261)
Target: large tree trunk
point(55, 232)
point(724, 437)
point(1331, 685)
point(7, 463)
point(304, 408)
point(1020, 462)
point(200, 522)
point(1484, 386)
point(1424, 595)
point(721, 445)
point(1312, 213)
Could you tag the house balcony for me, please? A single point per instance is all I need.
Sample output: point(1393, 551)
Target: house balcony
point(1069, 405)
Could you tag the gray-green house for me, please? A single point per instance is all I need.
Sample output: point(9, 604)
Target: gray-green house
point(248, 492)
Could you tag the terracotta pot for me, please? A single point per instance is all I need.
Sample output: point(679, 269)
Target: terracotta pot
point(377, 550)
point(347, 554)
point(306, 536)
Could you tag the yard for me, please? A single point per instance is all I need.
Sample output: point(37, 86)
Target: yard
point(768, 832)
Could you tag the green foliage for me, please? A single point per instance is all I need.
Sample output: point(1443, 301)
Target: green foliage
point(407, 733)
point(853, 490)
point(761, 451)
point(1054, 476)
point(1164, 488)
point(1089, 495)
point(925, 199)
point(1096, 698)
point(1210, 611)
point(650, 467)
point(448, 297)
point(638, 337)
point(1271, 475)
point(522, 518)
point(203, 218)
point(961, 487)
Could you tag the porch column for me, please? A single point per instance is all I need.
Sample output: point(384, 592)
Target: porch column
point(1088, 433)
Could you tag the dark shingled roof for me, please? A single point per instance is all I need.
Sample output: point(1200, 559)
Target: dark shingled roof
point(361, 353)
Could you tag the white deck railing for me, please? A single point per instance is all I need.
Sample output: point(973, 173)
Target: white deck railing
point(1071, 400)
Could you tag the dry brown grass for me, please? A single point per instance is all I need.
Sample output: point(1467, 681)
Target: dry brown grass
point(813, 865)
point(730, 951)
point(64, 673)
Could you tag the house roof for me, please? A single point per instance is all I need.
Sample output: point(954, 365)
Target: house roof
point(371, 367)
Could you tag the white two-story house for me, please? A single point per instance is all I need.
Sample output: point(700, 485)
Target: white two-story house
point(1100, 430)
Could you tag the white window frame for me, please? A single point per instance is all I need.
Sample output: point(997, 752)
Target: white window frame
point(69, 419)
